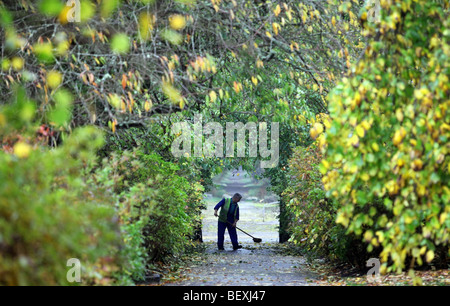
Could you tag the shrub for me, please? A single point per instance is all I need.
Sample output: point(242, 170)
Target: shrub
point(108, 180)
point(313, 214)
point(156, 201)
point(118, 217)
point(49, 214)
point(388, 141)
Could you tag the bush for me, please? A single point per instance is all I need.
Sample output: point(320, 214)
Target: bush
point(108, 181)
point(49, 214)
point(118, 217)
point(388, 141)
point(313, 215)
point(156, 202)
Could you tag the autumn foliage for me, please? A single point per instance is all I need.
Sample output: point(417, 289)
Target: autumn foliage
point(389, 137)
point(87, 107)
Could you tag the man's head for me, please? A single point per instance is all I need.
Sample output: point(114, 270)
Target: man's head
point(236, 198)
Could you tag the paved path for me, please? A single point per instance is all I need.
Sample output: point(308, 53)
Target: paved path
point(264, 264)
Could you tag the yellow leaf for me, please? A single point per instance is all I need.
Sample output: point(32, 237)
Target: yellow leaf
point(114, 100)
point(368, 236)
point(380, 235)
point(276, 27)
point(316, 130)
point(430, 255)
point(319, 127)
point(146, 22)
point(177, 22)
point(259, 63)
point(17, 63)
point(327, 123)
point(365, 125)
point(22, 149)
point(365, 177)
point(277, 10)
point(213, 96)
point(321, 140)
point(360, 131)
point(254, 80)
point(421, 190)
point(408, 220)
point(399, 114)
point(417, 164)
point(341, 219)
point(148, 105)
point(54, 78)
point(399, 135)
point(354, 141)
point(63, 17)
point(375, 147)
point(171, 92)
point(442, 218)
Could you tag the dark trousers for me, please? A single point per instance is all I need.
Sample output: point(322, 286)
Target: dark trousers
point(221, 234)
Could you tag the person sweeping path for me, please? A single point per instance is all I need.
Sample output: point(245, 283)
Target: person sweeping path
point(228, 218)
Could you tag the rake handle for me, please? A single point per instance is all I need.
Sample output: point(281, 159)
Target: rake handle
point(242, 230)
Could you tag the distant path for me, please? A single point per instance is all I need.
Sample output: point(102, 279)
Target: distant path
point(255, 265)
point(258, 208)
point(262, 264)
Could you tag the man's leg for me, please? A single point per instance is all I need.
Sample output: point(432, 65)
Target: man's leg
point(220, 234)
point(233, 236)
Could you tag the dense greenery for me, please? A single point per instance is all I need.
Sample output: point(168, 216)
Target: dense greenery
point(118, 217)
point(312, 224)
point(156, 197)
point(389, 138)
point(49, 211)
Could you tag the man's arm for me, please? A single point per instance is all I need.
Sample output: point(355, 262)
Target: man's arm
point(219, 205)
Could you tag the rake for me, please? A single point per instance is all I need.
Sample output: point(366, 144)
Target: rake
point(258, 240)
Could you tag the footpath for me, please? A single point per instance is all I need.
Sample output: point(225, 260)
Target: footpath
point(264, 264)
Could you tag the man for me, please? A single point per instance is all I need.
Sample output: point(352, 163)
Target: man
point(228, 217)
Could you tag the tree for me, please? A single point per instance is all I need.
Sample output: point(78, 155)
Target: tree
point(135, 67)
point(387, 147)
point(126, 61)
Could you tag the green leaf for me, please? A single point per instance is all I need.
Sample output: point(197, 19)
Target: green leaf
point(120, 43)
point(61, 114)
point(51, 7)
point(171, 36)
point(5, 17)
point(108, 6)
point(87, 10)
point(44, 52)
